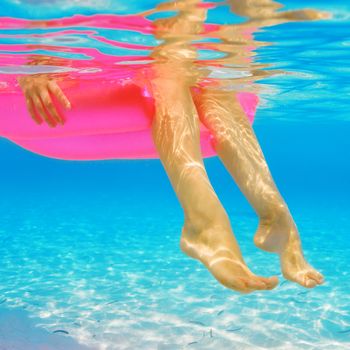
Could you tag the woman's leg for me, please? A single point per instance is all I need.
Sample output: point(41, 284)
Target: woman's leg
point(207, 234)
point(239, 150)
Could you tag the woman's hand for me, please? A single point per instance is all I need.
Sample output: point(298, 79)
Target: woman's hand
point(41, 92)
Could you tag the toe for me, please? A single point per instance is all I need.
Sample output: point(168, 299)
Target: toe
point(237, 284)
point(316, 276)
point(271, 282)
point(310, 283)
point(242, 288)
point(297, 278)
point(261, 283)
point(305, 281)
point(320, 279)
point(254, 283)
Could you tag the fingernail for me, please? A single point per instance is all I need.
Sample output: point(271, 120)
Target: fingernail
point(68, 105)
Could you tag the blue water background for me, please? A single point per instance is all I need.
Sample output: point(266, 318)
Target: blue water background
point(92, 247)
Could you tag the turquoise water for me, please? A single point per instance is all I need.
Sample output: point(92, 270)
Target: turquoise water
point(92, 248)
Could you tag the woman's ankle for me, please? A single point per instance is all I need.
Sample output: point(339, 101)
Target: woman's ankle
point(273, 212)
point(197, 224)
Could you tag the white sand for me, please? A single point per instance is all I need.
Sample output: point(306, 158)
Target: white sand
point(18, 332)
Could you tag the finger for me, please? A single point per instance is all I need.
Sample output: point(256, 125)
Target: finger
point(40, 109)
point(50, 107)
point(31, 111)
point(58, 93)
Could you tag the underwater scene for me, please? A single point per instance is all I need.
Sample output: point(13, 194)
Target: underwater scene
point(115, 234)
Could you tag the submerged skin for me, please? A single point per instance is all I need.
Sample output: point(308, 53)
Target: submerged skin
point(207, 234)
point(41, 92)
point(239, 149)
point(43, 95)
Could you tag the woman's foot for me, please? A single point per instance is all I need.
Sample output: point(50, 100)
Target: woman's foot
point(279, 234)
point(217, 249)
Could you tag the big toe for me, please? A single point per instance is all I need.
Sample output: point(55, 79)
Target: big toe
point(304, 280)
point(316, 276)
